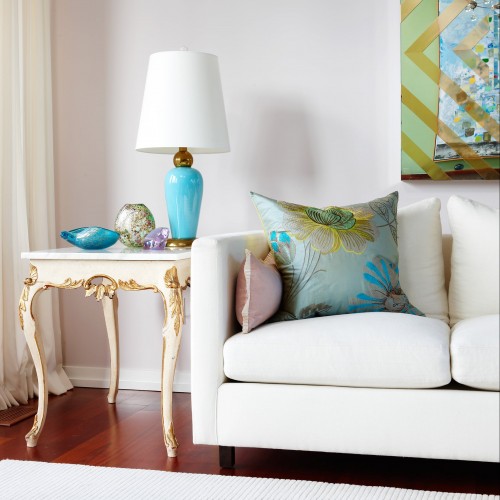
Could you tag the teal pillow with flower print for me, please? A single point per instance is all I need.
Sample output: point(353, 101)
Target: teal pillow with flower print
point(335, 260)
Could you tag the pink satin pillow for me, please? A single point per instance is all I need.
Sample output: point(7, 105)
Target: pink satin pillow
point(258, 291)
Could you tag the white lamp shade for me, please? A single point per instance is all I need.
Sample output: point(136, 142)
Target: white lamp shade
point(183, 105)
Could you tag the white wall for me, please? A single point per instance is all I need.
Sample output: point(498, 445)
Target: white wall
point(312, 98)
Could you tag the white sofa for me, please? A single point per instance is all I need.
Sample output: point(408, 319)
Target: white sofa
point(367, 383)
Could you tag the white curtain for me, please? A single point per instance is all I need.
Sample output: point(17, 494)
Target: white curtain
point(27, 215)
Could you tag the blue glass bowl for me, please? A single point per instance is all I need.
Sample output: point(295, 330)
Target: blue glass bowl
point(91, 238)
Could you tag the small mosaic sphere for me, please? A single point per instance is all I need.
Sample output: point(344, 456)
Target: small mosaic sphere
point(133, 223)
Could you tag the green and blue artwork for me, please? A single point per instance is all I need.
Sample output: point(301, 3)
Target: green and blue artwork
point(472, 62)
point(450, 90)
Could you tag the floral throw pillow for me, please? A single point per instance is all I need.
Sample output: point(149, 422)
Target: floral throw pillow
point(335, 260)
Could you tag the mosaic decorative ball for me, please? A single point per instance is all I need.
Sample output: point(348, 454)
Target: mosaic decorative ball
point(133, 223)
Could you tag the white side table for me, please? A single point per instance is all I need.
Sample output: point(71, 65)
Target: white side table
point(102, 273)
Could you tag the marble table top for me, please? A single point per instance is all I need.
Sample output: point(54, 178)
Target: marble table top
point(116, 252)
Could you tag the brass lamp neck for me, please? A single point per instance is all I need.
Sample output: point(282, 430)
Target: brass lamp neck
point(183, 158)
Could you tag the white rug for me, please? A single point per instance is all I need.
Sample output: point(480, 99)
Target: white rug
point(40, 480)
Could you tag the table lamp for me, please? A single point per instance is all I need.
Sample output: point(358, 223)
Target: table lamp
point(183, 113)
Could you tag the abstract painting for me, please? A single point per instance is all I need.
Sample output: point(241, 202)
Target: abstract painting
point(450, 89)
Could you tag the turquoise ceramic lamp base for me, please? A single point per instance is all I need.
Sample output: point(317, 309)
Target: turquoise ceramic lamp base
point(183, 194)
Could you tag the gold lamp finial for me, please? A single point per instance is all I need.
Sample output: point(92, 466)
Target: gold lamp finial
point(183, 158)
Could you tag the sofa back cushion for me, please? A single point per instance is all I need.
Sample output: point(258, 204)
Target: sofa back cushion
point(421, 263)
point(474, 282)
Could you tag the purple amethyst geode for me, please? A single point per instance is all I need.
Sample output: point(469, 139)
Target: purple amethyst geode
point(156, 239)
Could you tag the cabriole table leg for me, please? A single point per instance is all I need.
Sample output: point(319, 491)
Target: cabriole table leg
point(35, 346)
point(110, 308)
point(172, 332)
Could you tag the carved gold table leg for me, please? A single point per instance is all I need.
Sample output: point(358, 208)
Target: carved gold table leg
point(172, 331)
point(35, 346)
point(110, 308)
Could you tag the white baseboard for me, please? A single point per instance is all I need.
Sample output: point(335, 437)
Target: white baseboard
point(141, 380)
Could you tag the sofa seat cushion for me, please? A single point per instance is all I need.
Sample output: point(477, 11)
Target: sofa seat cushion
point(475, 352)
point(375, 349)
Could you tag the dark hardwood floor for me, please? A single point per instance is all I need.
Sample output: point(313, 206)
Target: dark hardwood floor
point(83, 428)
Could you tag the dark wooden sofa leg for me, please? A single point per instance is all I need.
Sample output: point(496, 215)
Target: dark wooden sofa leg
point(226, 457)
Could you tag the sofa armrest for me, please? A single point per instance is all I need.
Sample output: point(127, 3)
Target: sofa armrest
point(215, 262)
